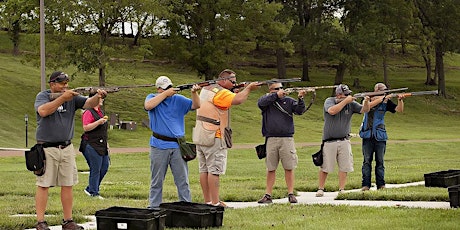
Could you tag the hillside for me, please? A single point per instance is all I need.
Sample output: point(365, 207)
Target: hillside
point(21, 83)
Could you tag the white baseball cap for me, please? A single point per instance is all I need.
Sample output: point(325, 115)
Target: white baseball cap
point(163, 82)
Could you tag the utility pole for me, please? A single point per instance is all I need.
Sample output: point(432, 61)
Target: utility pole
point(42, 45)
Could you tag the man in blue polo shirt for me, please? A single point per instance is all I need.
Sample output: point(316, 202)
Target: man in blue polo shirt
point(166, 111)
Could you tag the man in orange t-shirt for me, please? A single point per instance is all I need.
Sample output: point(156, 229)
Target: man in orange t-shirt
point(212, 133)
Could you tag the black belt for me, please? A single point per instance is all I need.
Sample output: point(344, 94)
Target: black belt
point(336, 139)
point(164, 138)
point(61, 145)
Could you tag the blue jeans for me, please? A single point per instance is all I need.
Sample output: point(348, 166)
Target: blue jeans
point(371, 146)
point(159, 161)
point(98, 167)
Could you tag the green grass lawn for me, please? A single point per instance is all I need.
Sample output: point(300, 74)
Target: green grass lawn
point(127, 184)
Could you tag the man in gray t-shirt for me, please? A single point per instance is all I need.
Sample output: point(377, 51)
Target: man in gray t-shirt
point(338, 112)
point(55, 130)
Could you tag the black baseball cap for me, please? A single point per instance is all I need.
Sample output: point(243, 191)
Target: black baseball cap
point(58, 76)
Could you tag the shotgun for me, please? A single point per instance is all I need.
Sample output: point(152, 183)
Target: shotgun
point(243, 84)
point(308, 88)
point(201, 84)
point(90, 89)
point(378, 93)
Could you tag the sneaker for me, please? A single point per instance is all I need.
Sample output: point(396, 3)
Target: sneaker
point(365, 188)
point(381, 187)
point(292, 198)
point(320, 193)
point(86, 192)
point(267, 199)
point(70, 225)
point(42, 225)
point(99, 197)
point(341, 191)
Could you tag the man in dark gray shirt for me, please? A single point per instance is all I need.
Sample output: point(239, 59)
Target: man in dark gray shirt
point(55, 130)
point(338, 112)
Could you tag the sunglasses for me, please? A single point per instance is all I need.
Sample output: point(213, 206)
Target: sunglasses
point(345, 88)
point(60, 78)
point(277, 88)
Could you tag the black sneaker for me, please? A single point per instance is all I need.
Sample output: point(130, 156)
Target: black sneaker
point(267, 199)
point(292, 198)
point(42, 225)
point(70, 225)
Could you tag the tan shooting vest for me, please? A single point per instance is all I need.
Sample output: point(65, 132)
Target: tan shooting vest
point(210, 118)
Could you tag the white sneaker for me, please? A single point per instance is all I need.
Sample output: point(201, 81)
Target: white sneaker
point(341, 191)
point(320, 193)
point(96, 196)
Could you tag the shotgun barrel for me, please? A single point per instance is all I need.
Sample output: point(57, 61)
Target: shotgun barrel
point(378, 93)
point(418, 93)
point(276, 80)
point(93, 89)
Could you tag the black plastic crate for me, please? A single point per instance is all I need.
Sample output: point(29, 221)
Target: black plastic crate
point(454, 193)
point(442, 179)
point(192, 215)
point(130, 219)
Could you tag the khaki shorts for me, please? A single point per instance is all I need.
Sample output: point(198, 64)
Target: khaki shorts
point(340, 152)
point(61, 168)
point(281, 148)
point(212, 159)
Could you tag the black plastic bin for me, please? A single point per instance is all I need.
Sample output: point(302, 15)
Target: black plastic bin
point(130, 218)
point(454, 193)
point(192, 215)
point(442, 179)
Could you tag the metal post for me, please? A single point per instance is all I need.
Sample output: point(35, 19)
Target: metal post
point(26, 119)
point(42, 45)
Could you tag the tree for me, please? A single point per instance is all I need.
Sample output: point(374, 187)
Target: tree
point(312, 30)
point(208, 34)
point(441, 18)
point(17, 15)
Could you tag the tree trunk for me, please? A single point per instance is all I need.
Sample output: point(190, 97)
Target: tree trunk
point(440, 70)
point(385, 70)
point(339, 75)
point(102, 76)
point(305, 65)
point(139, 29)
point(15, 37)
point(281, 63)
point(403, 45)
point(429, 80)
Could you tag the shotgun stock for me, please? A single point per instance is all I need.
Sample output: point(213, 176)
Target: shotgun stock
point(90, 89)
